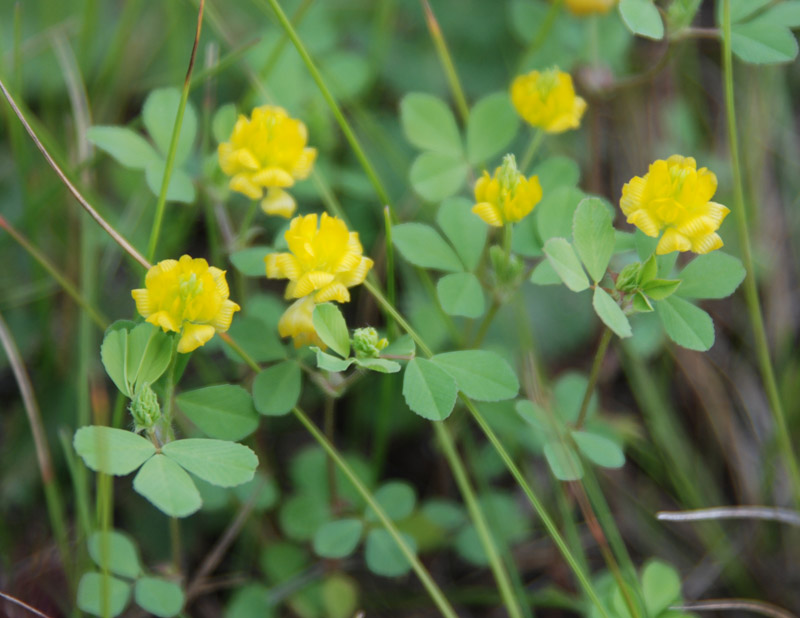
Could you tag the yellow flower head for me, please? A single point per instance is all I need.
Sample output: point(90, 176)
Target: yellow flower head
point(323, 261)
point(675, 196)
point(186, 296)
point(506, 197)
point(267, 151)
point(547, 100)
point(587, 7)
point(297, 322)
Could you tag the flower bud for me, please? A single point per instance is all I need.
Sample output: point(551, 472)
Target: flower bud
point(366, 343)
point(145, 409)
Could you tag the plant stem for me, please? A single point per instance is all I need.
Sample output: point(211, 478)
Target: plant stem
point(400, 319)
point(602, 347)
point(533, 146)
point(434, 591)
point(391, 326)
point(750, 286)
point(173, 144)
point(247, 221)
point(486, 323)
point(542, 34)
point(175, 544)
point(447, 62)
point(330, 404)
point(478, 519)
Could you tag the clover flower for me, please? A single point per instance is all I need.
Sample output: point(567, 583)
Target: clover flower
point(674, 196)
point(587, 7)
point(547, 100)
point(267, 151)
point(297, 322)
point(507, 196)
point(186, 296)
point(323, 261)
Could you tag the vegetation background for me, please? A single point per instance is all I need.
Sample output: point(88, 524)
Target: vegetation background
point(696, 428)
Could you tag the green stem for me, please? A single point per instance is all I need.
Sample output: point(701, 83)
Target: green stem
point(478, 519)
point(399, 318)
point(486, 323)
point(447, 62)
point(247, 221)
point(175, 544)
point(434, 591)
point(542, 34)
point(602, 347)
point(533, 146)
point(750, 286)
point(330, 404)
point(391, 326)
point(334, 106)
point(173, 144)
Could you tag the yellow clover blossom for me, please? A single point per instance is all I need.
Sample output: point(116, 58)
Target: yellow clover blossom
point(587, 7)
point(675, 196)
point(547, 100)
point(186, 296)
point(506, 197)
point(297, 322)
point(267, 151)
point(323, 261)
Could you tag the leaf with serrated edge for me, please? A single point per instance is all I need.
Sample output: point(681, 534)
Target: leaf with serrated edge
point(480, 374)
point(113, 451)
point(429, 390)
point(564, 261)
point(219, 462)
point(332, 328)
point(610, 312)
point(168, 487)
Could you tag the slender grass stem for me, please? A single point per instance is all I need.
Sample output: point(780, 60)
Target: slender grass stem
point(767, 513)
point(118, 238)
point(599, 356)
point(434, 591)
point(533, 147)
point(173, 144)
point(479, 520)
point(247, 221)
point(541, 35)
point(387, 226)
point(750, 285)
point(446, 61)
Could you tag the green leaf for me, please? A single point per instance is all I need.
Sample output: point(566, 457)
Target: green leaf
point(250, 261)
point(568, 391)
point(257, 337)
point(302, 515)
point(338, 539)
point(641, 303)
point(168, 487)
point(402, 346)
point(384, 557)
point(223, 122)
point(661, 586)
point(545, 274)
point(555, 172)
point(158, 596)
point(556, 212)
point(114, 354)
point(786, 14)
point(422, 246)
point(429, 390)
point(250, 600)
point(480, 374)
point(564, 261)
point(686, 325)
point(659, 289)
point(593, 236)
point(128, 148)
point(102, 595)
point(446, 514)
point(563, 462)
point(761, 41)
point(714, 275)
point(436, 176)
point(610, 312)
point(112, 451)
point(429, 124)
point(397, 499)
point(160, 112)
point(123, 558)
point(492, 125)
point(642, 18)
point(463, 229)
point(461, 294)
point(740, 9)
point(332, 329)
point(649, 269)
point(340, 596)
point(149, 354)
point(599, 449)
point(328, 362)
point(381, 365)
point(221, 463)
point(223, 411)
point(180, 188)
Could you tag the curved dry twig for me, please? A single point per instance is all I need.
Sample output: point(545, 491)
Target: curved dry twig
point(22, 604)
point(785, 516)
point(747, 605)
point(118, 238)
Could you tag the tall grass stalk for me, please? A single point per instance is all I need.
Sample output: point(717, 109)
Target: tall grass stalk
point(750, 285)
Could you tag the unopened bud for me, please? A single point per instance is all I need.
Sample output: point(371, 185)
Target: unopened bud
point(145, 409)
point(367, 344)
